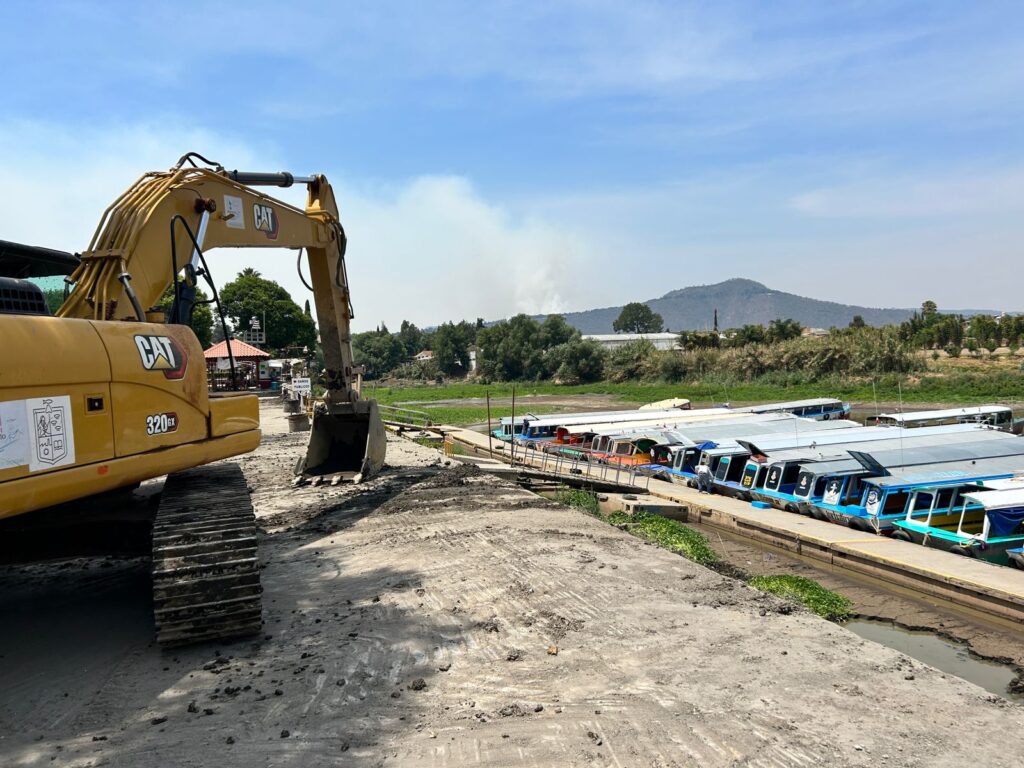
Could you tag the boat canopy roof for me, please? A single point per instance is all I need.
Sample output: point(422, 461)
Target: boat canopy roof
point(912, 454)
point(947, 473)
point(740, 422)
point(962, 450)
point(701, 433)
point(610, 417)
point(767, 407)
point(826, 431)
point(944, 413)
point(723, 448)
point(951, 434)
point(639, 437)
point(998, 499)
point(611, 428)
point(1008, 483)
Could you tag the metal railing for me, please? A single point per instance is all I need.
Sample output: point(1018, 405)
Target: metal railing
point(391, 413)
point(578, 467)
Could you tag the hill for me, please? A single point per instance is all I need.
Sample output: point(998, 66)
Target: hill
point(741, 302)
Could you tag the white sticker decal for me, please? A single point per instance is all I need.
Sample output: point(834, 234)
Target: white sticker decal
point(51, 431)
point(832, 493)
point(234, 213)
point(14, 442)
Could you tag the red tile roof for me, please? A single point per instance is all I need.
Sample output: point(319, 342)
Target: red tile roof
point(239, 349)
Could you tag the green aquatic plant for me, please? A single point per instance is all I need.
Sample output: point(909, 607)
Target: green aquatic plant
point(578, 498)
point(810, 593)
point(667, 533)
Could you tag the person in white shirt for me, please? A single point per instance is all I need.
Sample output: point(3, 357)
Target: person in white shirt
point(704, 478)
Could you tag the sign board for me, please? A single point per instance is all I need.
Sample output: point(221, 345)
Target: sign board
point(302, 386)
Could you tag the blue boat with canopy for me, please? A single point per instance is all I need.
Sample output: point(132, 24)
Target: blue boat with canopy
point(983, 524)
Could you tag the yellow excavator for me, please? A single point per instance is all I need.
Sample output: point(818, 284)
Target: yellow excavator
point(111, 392)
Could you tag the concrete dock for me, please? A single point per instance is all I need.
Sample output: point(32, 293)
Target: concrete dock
point(994, 591)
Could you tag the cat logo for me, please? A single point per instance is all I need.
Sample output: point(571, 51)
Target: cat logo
point(265, 219)
point(162, 353)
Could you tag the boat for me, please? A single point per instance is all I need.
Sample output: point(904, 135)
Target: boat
point(885, 499)
point(507, 430)
point(544, 429)
point(985, 524)
point(673, 402)
point(727, 457)
point(996, 416)
point(818, 409)
point(827, 487)
point(774, 479)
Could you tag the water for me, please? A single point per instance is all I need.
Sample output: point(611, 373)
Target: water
point(947, 655)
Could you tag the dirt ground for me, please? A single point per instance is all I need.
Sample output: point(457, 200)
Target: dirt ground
point(439, 617)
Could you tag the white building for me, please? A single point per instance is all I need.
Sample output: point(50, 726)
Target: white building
point(612, 341)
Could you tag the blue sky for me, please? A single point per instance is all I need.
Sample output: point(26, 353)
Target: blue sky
point(502, 157)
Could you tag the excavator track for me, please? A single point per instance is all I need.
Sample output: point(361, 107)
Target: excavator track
point(206, 579)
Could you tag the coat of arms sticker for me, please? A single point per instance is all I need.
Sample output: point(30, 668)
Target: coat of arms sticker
point(51, 431)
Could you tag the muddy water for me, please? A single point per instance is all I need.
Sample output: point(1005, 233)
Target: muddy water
point(951, 657)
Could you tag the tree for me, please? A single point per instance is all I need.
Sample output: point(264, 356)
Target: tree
point(378, 351)
point(857, 322)
point(782, 330)
point(451, 348)
point(748, 334)
point(577, 361)
point(306, 310)
point(929, 308)
point(554, 331)
point(513, 350)
point(411, 338)
point(54, 298)
point(638, 318)
point(250, 295)
point(202, 315)
point(699, 340)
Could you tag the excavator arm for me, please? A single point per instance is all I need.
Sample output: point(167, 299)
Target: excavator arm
point(151, 233)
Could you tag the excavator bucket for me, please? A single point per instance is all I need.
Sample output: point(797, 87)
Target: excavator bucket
point(347, 443)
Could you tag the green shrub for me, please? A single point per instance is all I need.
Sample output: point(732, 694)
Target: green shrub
point(823, 602)
point(633, 361)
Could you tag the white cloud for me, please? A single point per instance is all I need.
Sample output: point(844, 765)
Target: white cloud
point(432, 250)
point(427, 249)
